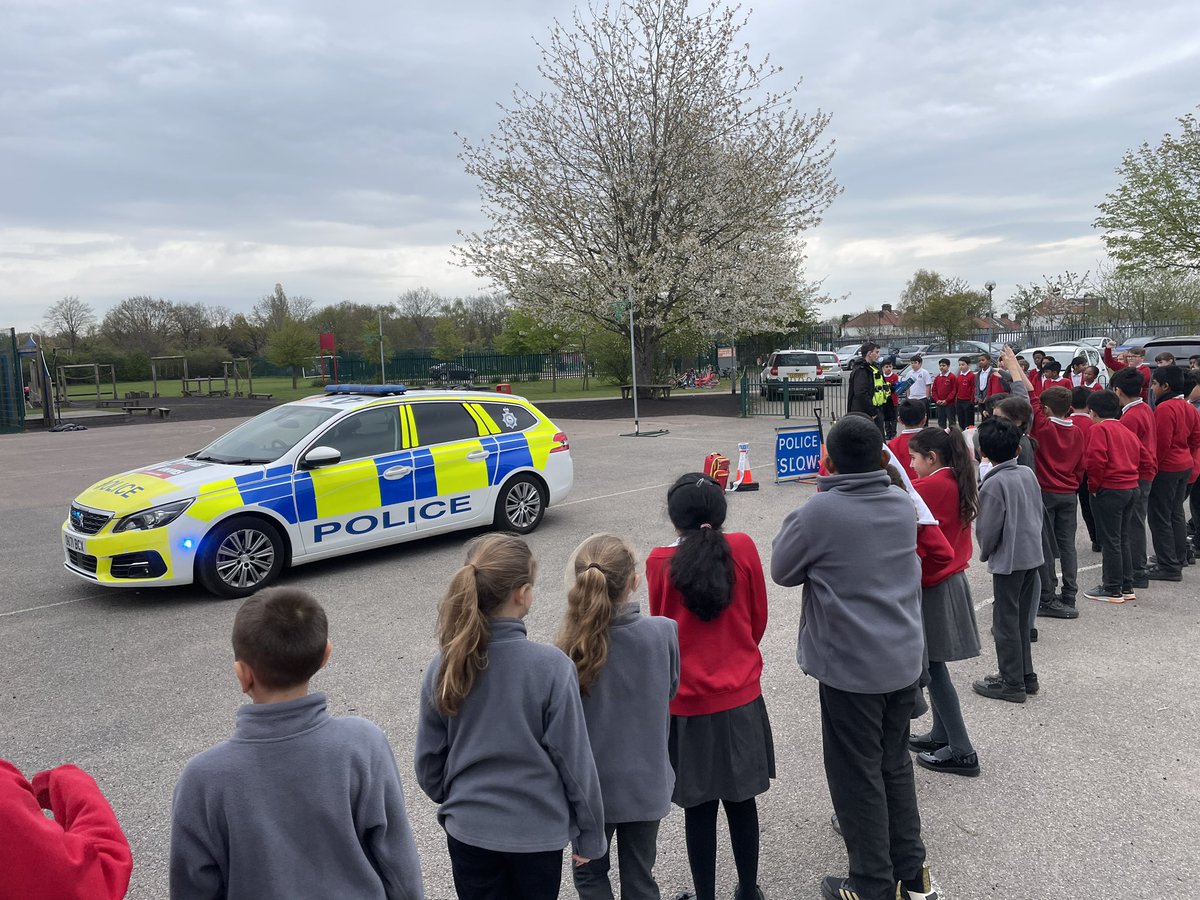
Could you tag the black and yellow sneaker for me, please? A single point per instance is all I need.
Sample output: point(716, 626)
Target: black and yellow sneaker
point(919, 888)
point(835, 888)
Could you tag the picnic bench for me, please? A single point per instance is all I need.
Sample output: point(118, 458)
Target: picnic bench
point(653, 391)
point(259, 396)
point(164, 412)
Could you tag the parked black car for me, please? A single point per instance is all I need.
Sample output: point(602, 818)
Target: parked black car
point(1182, 346)
point(446, 372)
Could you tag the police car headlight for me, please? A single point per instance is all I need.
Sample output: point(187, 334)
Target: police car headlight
point(155, 517)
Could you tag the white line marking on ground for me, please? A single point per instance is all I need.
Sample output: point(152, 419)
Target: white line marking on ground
point(982, 603)
point(17, 612)
point(649, 487)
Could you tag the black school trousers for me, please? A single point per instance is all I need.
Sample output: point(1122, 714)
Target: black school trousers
point(1168, 529)
point(481, 874)
point(965, 410)
point(1013, 609)
point(870, 775)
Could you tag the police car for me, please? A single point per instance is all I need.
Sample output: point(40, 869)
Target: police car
point(357, 467)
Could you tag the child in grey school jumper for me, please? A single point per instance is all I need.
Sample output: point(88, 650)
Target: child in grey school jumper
point(628, 666)
point(1008, 531)
point(296, 798)
point(861, 637)
point(502, 744)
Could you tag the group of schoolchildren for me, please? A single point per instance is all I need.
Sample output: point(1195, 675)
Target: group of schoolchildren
point(528, 748)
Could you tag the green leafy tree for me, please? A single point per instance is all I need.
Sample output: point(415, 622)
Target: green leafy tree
point(1152, 219)
point(448, 341)
point(291, 346)
point(941, 306)
point(656, 161)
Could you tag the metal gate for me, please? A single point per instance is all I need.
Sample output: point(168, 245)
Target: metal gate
point(810, 398)
point(12, 389)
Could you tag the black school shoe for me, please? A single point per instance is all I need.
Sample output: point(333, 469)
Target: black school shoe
point(1031, 683)
point(1159, 574)
point(1056, 609)
point(756, 894)
point(945, 761)
point(923, 743)
point(996, 688)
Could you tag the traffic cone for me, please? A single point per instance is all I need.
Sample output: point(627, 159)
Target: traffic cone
point(745, 480)
point(747, 483)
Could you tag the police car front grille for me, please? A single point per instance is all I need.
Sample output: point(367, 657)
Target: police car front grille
point(82, 561)
point(85, 521)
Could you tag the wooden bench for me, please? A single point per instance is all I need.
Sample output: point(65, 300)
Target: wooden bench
point(111, 402)
point(130, 410)
point(259, 396)
point(653, 391)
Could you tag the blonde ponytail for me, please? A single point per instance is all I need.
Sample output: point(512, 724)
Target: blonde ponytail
point(598, 576)
point(496, 566)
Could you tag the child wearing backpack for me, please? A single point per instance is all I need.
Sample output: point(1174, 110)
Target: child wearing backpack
point(628, 667)
point(712, 584)
point(502, 745)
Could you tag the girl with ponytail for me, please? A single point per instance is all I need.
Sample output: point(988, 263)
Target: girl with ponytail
point(502, 744)
point(628, 667)
point(711, 583)
point(946, 481)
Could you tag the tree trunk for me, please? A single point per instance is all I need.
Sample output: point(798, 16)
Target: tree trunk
point(294, 378)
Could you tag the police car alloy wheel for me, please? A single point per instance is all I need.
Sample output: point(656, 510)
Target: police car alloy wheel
point(240, 556)
point(520, 506)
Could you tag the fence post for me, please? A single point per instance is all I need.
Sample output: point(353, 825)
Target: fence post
point(787, 397)
point(745, 403)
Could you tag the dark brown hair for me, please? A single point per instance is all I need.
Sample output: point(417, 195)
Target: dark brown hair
point(281, 633)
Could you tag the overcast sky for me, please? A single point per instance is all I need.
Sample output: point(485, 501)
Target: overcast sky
point(204, 152)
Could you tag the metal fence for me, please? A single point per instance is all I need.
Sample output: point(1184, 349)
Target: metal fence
point(12, 391)
point(802, 399)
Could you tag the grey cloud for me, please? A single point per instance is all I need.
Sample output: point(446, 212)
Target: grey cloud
point(209, 150)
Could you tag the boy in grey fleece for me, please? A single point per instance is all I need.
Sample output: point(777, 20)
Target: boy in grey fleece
point(862, 638)
point(1008, 532)
point(296, 801)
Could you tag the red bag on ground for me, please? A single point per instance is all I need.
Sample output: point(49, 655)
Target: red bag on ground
point(717, 466)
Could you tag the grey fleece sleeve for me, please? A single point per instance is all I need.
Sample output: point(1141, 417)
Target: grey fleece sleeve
point(790, 549)
point(566, 740)
point(195, 869)
point(433, 746)
point(989, 524)
point(387, 834)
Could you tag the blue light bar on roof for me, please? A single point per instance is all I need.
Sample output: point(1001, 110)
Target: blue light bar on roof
point(381, 390)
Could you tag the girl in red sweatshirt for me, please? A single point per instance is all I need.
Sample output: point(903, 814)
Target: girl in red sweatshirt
point(946, 481)
point(720, 743)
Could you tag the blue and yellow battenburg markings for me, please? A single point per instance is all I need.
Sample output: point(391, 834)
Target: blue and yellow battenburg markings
point(302, 496)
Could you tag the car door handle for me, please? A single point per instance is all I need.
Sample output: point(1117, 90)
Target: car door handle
point(397, 472)
point(476, 455)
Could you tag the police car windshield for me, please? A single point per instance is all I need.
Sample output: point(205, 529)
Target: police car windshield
point(267, 437)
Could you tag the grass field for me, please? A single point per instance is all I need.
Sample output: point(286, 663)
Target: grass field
point(280, 388)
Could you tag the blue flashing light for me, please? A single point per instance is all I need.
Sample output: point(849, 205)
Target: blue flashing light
point(188, 543)
point(381, 390)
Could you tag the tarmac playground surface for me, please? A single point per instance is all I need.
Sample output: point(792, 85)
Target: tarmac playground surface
point(1089, 790)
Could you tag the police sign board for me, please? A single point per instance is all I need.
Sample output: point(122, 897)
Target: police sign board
point(797, 451)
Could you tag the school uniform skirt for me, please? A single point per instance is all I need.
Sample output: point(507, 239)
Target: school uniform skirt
point(728, 755)
point(950, 629)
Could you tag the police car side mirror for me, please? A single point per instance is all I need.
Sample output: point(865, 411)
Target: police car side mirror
point(320, 456)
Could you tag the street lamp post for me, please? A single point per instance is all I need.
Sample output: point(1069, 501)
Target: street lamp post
point(990, 286)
